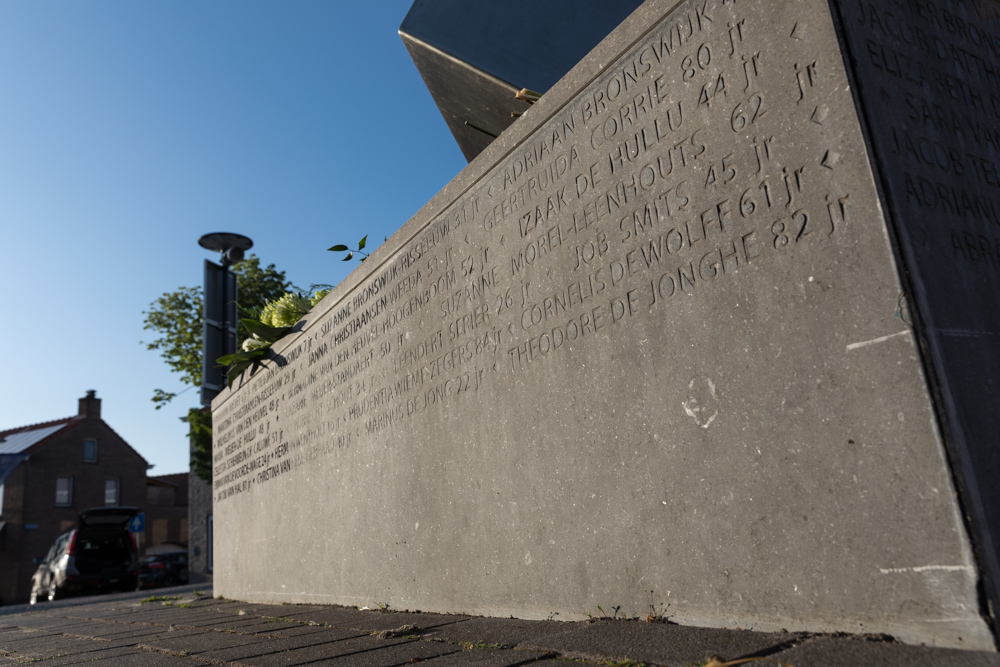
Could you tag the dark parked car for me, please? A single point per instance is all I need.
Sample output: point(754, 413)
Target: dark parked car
point(97, 556)
point(166, 569)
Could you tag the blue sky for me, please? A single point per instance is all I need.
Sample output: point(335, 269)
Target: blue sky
point(130, 128)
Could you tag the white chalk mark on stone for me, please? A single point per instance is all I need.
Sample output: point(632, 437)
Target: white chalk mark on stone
point(874, 341)
point(702, 401)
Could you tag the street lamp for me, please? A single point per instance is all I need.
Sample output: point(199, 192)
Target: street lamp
point(221, 313)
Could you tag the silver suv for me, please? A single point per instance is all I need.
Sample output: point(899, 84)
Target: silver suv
point(96, 557)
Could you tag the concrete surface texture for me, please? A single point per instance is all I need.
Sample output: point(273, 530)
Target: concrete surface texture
point(189, 627)
point(652, 348)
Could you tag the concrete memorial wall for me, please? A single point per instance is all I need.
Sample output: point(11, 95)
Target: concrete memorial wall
point(672, 340)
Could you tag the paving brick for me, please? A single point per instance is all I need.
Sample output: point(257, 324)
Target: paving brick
point(368, 621)
point(229, 622)
point(510, 631)
point(277, 610)
point(137, 659)
point(658, 643)
point(117, 631)
point(114, 655)
point(368, 651)
point(280, 629)
point(488, 658)
point(194, 644)
point(46, 647)
point(844, 652)
point(270, 645)
point(53, 625)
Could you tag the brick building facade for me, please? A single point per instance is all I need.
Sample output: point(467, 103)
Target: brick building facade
point(49, 473)
point(166, 513)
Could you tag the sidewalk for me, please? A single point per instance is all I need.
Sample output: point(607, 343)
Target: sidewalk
point(195, 629)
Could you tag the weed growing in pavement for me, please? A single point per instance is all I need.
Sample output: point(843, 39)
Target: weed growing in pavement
point(160, 598)
point(468, 646)
point(657, 615)
point(281, 619)
point(613, 617)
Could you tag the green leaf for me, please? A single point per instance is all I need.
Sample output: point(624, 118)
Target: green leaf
point(265, 332)
point(340, 247)
point(349, 256)
point(361, 243)
point(236, 370)
point(226, 360)
point(239, 357)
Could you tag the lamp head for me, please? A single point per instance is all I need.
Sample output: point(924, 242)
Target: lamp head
point(232, 246)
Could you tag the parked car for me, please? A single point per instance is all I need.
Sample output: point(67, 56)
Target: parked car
point(165, 569)
point(97, 556)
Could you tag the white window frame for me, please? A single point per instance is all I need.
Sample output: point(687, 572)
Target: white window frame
point(69, 492)
point(116, 484)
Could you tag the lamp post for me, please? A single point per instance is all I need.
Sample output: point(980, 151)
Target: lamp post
point(220, 312)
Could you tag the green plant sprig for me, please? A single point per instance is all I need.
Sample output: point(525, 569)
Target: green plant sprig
point(340, 247)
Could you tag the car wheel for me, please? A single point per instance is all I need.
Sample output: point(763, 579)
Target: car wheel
point(54, 592)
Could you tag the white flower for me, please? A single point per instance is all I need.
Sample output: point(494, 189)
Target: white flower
point(254, 343)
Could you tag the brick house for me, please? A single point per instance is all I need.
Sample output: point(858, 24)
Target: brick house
point(166, 513)
point(50, 472)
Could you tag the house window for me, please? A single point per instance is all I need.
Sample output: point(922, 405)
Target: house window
point(111, 492)
point(90, 450)
point(64, 491)
point(1, 499)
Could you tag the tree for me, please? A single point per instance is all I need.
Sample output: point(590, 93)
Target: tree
point(200, 424)
point(177, 319)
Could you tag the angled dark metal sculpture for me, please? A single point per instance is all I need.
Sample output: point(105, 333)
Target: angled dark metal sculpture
point(475, 57)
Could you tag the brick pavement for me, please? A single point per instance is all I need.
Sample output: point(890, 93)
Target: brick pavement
point(193, 629)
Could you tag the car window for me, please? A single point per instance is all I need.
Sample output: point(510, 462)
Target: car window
point(102, 546)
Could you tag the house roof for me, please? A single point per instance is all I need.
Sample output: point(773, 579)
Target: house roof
point(23, 438)
point(177, 480)
point(18, 440)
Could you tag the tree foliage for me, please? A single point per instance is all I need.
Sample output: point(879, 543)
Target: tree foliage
point(177, 320)
point(200, 424)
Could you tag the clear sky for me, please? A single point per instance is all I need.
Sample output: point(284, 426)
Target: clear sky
point(130, 128)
